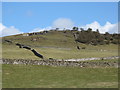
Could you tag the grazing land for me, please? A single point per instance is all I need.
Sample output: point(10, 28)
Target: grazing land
point(57, 45)
point(22, 76)
point(14, 52)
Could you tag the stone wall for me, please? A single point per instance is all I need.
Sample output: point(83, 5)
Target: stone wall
point(60, 63)
point(93, 58)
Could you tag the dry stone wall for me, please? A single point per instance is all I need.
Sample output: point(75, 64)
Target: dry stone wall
point(60, 63)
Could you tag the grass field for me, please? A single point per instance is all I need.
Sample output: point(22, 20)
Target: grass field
point(13, 52)
point(21, 76)
point(57, 45)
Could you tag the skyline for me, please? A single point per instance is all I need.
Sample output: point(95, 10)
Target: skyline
point(36, 16)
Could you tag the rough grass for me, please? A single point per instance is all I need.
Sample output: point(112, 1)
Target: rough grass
point(21, 76)
point(55, 44)
point(13, 52)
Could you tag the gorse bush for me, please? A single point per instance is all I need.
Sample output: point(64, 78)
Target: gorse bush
point(95, 38)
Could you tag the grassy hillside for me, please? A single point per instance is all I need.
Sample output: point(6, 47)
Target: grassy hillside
point(59, 45)
point(55, 44)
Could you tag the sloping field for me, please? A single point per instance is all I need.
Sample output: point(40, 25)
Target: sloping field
point(56, 45)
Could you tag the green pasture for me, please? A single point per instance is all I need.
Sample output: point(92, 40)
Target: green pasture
point(13, 52)
point(54, 44)
point(57, 45)
point(21, 76)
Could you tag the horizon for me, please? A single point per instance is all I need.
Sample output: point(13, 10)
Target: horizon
point(58, 30)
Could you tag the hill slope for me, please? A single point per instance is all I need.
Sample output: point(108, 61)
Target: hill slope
point(54, 44)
